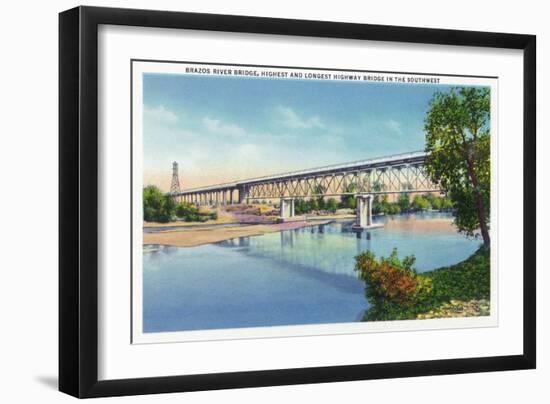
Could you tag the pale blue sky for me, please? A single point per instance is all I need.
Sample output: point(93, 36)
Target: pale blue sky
point(225, 128)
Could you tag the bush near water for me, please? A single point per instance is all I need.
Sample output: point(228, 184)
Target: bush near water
point(395, 291)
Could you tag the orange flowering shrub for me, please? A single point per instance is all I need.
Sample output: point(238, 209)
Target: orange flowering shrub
point(394, 283)
point(388, 280)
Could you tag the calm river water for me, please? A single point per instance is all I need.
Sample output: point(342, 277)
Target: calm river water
point(301, 276)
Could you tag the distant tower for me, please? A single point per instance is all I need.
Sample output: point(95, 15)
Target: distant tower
point(175, 187)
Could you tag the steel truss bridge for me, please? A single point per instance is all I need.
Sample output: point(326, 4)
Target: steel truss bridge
point(385, 175)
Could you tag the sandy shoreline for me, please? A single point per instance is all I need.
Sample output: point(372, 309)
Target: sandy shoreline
point(192, 236)
point(196, 237)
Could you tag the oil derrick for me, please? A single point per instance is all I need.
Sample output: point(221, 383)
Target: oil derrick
point(175, 186)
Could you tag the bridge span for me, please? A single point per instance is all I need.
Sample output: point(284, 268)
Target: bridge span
point(365, 178)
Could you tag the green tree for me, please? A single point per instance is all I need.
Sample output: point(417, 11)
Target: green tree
point(319, 191)
point(187, 211)
point(168, 209)
point(446, 203)
point(382, 205)
point(152, 202)
point(157, 207)
point(394, 209)
point(312, 204)
point(436, 203)
point(300, 206)
point(403, 201)
point(430, 198)
point(377, 186)
point(348, 201)
point(420, 202)
point(331, 205)
point(458, 143)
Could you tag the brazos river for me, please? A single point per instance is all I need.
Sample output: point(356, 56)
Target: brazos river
point(299, 276)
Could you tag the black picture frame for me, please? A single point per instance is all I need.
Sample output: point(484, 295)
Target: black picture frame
point(78, 200)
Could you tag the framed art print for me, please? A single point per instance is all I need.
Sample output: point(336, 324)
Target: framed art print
point(249, 201)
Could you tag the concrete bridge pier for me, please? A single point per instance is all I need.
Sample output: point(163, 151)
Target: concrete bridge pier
point(287, 208)
point(243, 194)
point(287, 211)
point(363, 212)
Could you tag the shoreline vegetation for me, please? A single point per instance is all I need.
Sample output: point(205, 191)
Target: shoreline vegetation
point(396, 291)
point(187, 225)
point(162, 210)
point(239, 220)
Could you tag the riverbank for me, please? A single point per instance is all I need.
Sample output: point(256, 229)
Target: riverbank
point(459, 308)
point(459, 290)
point(227, 226)
point(192, 237)
point(244, 214)
point(222, 218)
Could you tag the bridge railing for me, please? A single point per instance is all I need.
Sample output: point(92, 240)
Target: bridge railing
point(387, 162)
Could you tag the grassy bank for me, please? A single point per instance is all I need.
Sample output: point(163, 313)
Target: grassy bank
point(426, 293)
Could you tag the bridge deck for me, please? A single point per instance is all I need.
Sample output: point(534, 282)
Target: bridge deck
point(396, 160)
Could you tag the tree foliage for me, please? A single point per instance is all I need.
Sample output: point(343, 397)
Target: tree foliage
point(392, 285)
point(162, 208)
point(300, 206)
point(319, 191)
point(458, 143)
point(331, 205)
point(190, 213)
point(157, 207)
point(403, 201)
point(421, 203)
point(387, 279)
point(377, 186)
point(348, 201)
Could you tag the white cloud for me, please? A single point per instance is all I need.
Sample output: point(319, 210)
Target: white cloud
point(290, 118)
point(249, 150)
point(393, 126)
point(219, 127)
point(160, 114)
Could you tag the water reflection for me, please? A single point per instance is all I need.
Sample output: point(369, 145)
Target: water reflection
point(327, 247)
point(287, 238)
point(299, 276)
